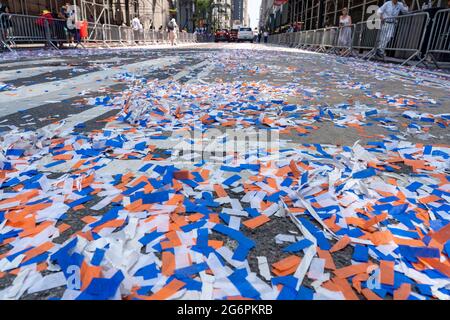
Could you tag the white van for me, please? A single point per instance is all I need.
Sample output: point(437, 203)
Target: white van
point(245, 34)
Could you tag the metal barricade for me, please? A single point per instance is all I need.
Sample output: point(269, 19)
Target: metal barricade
point(162, 38)
point(126, 36)
point(205, 37)
point(342, 40)
point(291, 39)
point(139, 36)
point(286, 36)
point(273, 39)
point(153, 36)
point(16, 28)
point(309, 39)
point(181, 37)
point(286, 39)
point(404, 35)
point(111, 35)
point(95, 32)
point(147, 37)
point(296, 39)
point(201, 37)
point(318, 37)
point(278, 39)
point(439, 42)
point(282, 40)
point(301, 39)
point(364, 38)
point(327, 39)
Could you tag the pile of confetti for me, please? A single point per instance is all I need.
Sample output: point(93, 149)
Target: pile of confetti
point(124, 212)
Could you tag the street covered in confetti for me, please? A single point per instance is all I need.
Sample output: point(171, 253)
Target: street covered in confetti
point(222, 171)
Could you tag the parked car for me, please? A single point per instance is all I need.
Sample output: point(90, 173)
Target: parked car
point(221, 35)
point(245, 34)
point(234, 35)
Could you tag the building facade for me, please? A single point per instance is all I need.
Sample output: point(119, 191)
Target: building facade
point(118, 12)
point(239, 12)
point(221, 14)
point(185, 14)
point(265, 12)
point(276, 15)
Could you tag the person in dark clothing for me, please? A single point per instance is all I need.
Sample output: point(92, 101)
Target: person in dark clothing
point(45, 25)
point(5, 22)
point(4, 8)
point(44, 18)
point(59, 28)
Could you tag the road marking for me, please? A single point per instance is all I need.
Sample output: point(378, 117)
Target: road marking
point(9, 75)
point(29, 63)
point(210, 67)
point(28, 97)
point(95, 112)
point(188, 70)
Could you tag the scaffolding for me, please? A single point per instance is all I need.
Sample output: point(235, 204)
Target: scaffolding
point(32, 7)
point(96, 11)
point(314, 14)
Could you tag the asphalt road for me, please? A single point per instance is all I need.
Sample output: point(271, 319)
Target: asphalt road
point(45, 87)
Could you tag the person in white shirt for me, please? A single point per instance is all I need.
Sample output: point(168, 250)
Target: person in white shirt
point(73, 13)
point(387, 11)
point(136, 26)
point(173, 29)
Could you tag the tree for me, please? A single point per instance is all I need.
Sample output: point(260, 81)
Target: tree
point(202, 8)
point(172, 8)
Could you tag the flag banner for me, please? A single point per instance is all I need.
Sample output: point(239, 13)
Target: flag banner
point(279, 2)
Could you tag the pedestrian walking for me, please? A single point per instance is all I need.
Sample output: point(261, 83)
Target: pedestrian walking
point(387, 13)
point(266, 36)
point(73, 20)
point(59, 28)
point(172, 27)
point(136, 26)
point(259, 36)
point(345, 30)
